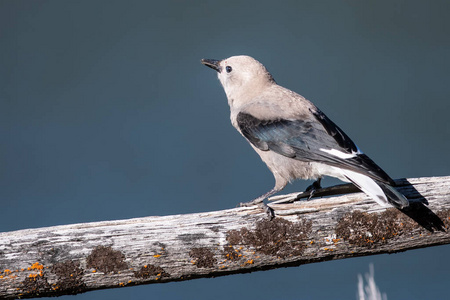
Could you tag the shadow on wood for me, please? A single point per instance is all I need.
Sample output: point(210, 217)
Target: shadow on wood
point(417, 209)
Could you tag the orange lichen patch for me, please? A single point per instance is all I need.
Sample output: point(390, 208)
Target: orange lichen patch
point(33, 275)
point(157, 255)
point(36, 282)
point(336, 240)
point(248, 262)
point(36, 266)
point(7, 271)
point(94, 271)
point(121, 283)
point(230, 253)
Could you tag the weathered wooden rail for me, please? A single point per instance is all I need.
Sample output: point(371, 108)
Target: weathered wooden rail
point(78, 258)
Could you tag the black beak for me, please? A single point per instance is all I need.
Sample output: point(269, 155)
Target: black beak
point(212, 63)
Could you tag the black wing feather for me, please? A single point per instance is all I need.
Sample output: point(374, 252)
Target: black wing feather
point(332, 129)
point(303, 139)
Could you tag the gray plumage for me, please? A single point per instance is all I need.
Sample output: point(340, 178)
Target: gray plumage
point(292, 136)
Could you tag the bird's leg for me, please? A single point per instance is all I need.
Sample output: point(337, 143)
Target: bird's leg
point(313, 188)
point(261, 198)
point(280, 183)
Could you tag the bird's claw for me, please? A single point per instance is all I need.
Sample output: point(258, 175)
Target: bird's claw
point(313, 188)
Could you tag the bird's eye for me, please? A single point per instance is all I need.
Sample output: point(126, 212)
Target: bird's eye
point(229, 69)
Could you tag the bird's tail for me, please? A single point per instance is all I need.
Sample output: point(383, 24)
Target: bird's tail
point(382, 193)
point(396, 198)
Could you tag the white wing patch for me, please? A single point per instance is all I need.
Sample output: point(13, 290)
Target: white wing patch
point(340, 154)
point(368, 186)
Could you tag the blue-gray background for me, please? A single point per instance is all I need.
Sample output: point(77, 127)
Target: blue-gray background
point(106, 113)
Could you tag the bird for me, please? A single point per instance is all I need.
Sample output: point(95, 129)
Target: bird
point(293, 137)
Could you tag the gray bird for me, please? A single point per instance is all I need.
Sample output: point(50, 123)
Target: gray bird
point(292, 136)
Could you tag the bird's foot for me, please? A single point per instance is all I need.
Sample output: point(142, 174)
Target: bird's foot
point(260, 203)
point(313, 188)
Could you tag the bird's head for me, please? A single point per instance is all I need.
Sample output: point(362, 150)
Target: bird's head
point(242, 77)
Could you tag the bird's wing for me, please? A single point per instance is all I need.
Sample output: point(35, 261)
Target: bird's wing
point(316, 139)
